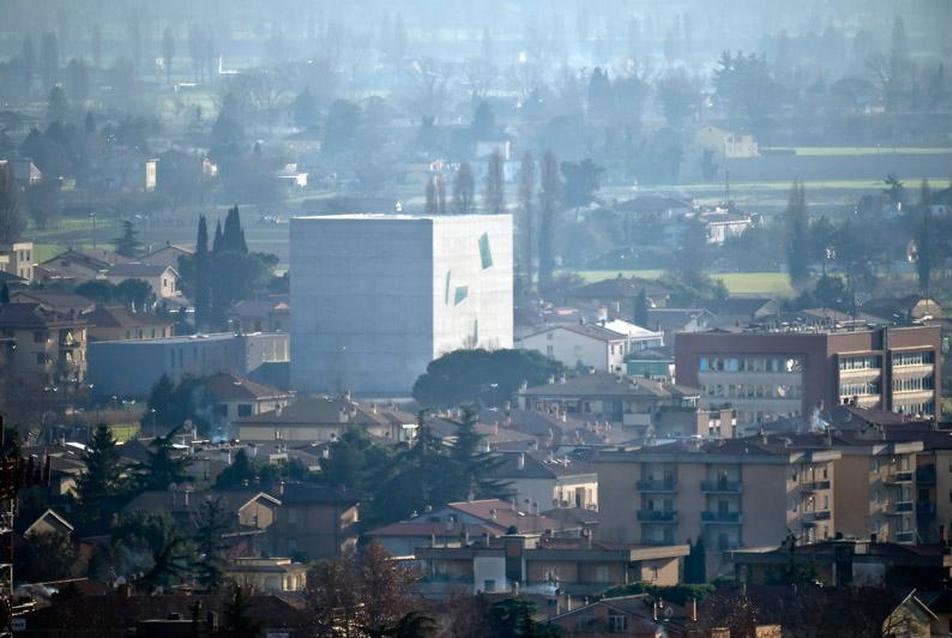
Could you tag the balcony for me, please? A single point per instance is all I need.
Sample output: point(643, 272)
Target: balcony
point(925, 475)
point(896, 478)
point(657, 516)
point(721, 487)
point(648, 485)
point(924, 508)
point(906, 537)
point(722, 518)
point(900, 507)
point(815, 486)
point(809, 518)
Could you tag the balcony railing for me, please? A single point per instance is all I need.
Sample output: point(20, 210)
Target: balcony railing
point(817, 515)
point(720, 517)
point(657, 516)
point(905, 537)
point(721, 487)
point(899, 477)
point(815, 486)
point(900, 507)
point(649, 485)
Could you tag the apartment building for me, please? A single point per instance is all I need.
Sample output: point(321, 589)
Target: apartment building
point(631, 403)
point(16, 258)
point(769, 375)
point(42, 346)
point(732, 493)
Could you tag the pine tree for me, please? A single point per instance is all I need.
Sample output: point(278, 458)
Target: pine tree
point(550, 198)
point(211, 523)
point(494, 197)
point(98, 485)
point(202, 275)
point(526, 193)
point(128, 244)
point(163, 465)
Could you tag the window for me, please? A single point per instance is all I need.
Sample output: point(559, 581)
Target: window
point(489, 585)
point(549, 351)
point(244, 409)
point(485, 253)
point(39, 336)
point(462, 292)
point(40, 358)
point(617, 623)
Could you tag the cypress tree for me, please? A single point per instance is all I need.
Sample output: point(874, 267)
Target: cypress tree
point(202, 276)
point(217, 242)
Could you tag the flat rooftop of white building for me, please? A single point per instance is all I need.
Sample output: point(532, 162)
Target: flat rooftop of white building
point(396, 217)
point(183, 339)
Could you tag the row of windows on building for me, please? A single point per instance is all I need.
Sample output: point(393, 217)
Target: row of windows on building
point(753, 390)
point(751, 364)
point(912, 358)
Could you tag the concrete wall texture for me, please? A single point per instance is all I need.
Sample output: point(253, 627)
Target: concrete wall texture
point(376, 297)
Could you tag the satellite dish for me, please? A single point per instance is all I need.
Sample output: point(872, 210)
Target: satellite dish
point(668, 612)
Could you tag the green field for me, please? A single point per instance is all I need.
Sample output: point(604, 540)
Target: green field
point(738, 283)
point(852, 151)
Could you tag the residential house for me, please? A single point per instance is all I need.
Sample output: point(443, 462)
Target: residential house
point(24, 172)
point(118, 323)
point(547, 482)
point(244, 509)
point(269, 575)
point(738, 312)
point(261, 315)
point(16, 258)
point(49, 522)
point(727, 144)
point(650, 364)
point(673, 321)
point(722, 224)
point(317, 521)
point(624, 402)
point(536, 563)
point(41, 346)
point(456, 523)
point(164, 280)
point(908, 309)
point(323, 418)
point(237, 397)
point(640, 615)
point(167, 255)
point(639, 338)
point(618, 295)
point(580, 345)
point(78, 266)
point(62, 302)
point(733, 493)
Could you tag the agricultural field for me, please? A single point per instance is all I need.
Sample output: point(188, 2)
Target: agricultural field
point(738, 283)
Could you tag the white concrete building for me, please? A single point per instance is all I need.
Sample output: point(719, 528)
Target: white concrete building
point(586, 345)
point(376, 297)
point(638, 338)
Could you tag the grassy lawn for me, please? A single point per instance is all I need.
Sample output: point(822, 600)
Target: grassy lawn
point(852, 151)
point(738, 283)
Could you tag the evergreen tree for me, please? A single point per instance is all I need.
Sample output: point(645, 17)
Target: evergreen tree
point(924, 240)
point(464, 190)
point(217, 241)
point(550, 197)
point(355, 463)
point(469, 466)
point(431, 207)
point(494, 197)
point(797, 235)
point(241, 472)
point(236, 619)
point(168, 53)
point(526, 193)
point(211, 523)
point(163, 465)
point(12, 223)
point(440, 194)
point(202, 276)
point(128, 244)
point(640, 313)
point(98, 486)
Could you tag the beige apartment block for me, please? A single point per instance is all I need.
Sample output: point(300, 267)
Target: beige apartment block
point(730, 493)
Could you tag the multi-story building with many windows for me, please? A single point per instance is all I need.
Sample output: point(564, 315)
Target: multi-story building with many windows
point(769, 375)
point(730, 493)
